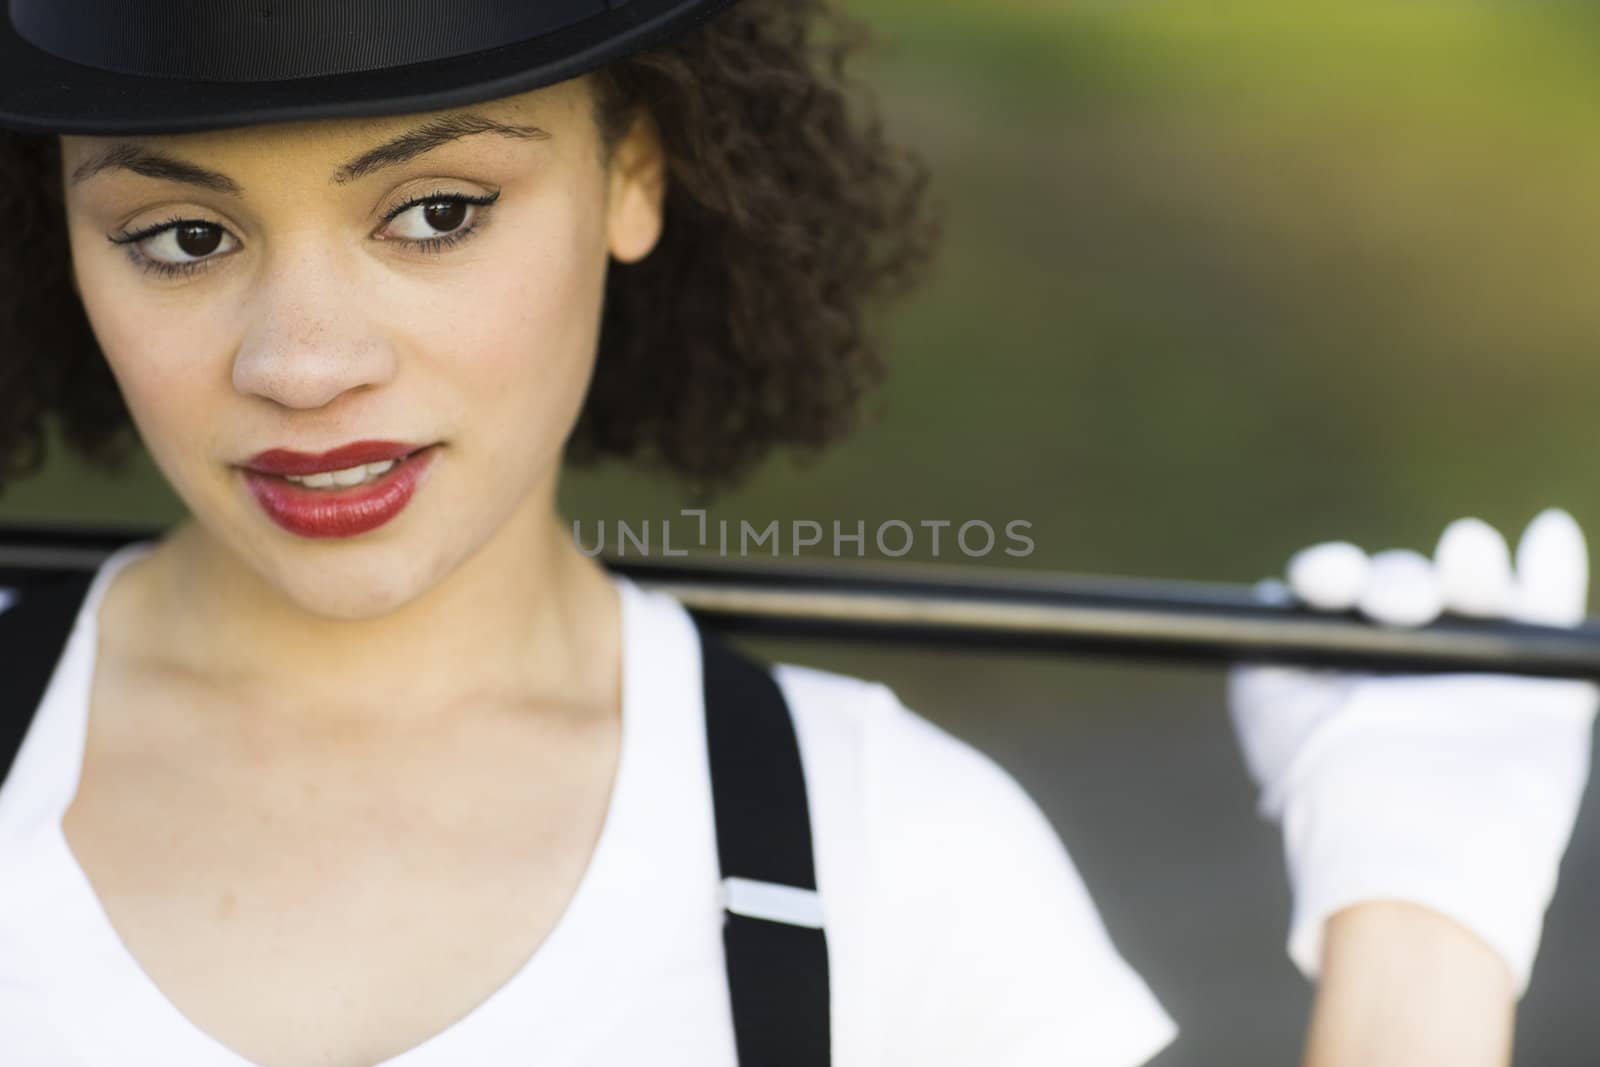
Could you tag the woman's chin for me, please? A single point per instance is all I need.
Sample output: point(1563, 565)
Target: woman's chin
point(348, 581)
point(349, 597)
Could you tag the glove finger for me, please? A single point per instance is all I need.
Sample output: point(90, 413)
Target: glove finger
point(1473, 566)
point(1552, 581)
point(1330, 576)
point(1402, 589)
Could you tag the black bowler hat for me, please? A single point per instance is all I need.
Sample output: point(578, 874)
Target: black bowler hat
point(170, 66)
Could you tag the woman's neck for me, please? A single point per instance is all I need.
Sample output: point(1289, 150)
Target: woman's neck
point(525, 619)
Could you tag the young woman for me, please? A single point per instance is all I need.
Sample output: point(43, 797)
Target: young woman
point(364, 762)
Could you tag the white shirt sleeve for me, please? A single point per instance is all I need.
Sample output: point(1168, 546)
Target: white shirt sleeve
point(990, 944)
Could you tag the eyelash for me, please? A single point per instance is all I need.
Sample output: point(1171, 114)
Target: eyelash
point(133, 239)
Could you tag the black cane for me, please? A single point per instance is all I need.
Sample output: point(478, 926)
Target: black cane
point(963, 607)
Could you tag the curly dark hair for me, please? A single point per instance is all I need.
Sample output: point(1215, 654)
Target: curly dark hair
point(788, 214)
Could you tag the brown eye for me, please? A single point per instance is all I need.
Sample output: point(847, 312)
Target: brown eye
point(428, 222)
point(198, 239)
point(445, 215)
point(188, 241)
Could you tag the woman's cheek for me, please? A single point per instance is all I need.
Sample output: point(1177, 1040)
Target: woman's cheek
point(157, 351)
point(164, 356)
point(540, 342)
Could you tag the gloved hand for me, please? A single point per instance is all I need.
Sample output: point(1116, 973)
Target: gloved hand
point(1457, 792)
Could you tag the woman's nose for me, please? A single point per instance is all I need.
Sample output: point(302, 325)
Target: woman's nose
point(312, 334)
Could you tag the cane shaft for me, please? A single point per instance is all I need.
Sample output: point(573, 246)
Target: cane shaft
point(1161, 621)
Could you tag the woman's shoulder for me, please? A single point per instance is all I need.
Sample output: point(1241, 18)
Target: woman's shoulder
point(929, 798)
point(901, 756)
point(941, 785)
point(987, 942)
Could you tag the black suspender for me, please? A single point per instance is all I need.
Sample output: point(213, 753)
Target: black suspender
point(775, 947)
point(777, 954)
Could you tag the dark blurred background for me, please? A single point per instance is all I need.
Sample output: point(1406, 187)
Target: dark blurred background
point(1221, 280)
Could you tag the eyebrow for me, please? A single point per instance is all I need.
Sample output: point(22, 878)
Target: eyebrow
point(153, 163)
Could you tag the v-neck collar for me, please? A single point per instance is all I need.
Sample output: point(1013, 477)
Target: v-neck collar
point(653, 865)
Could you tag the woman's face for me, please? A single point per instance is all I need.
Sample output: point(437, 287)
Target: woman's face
point(430, 280)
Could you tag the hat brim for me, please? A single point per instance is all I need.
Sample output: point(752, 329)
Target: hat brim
point(40, 92)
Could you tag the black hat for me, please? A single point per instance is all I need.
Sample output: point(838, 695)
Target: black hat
point(171, 66)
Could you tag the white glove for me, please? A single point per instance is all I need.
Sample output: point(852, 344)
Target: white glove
point(1457, 792)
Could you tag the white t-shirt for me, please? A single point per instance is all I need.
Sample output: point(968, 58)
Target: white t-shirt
point(959, 932)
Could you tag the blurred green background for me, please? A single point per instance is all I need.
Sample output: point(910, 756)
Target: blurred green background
point(1220, 280)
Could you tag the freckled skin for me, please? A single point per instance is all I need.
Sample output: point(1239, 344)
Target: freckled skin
point(311, 333)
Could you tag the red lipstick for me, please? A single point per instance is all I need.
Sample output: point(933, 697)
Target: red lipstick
point(281, 461)
point(336, 512)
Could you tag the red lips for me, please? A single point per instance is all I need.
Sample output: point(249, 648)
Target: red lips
point(282, 461)
point(337, 512)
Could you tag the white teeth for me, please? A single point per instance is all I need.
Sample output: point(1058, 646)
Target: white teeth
point(343, 478)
